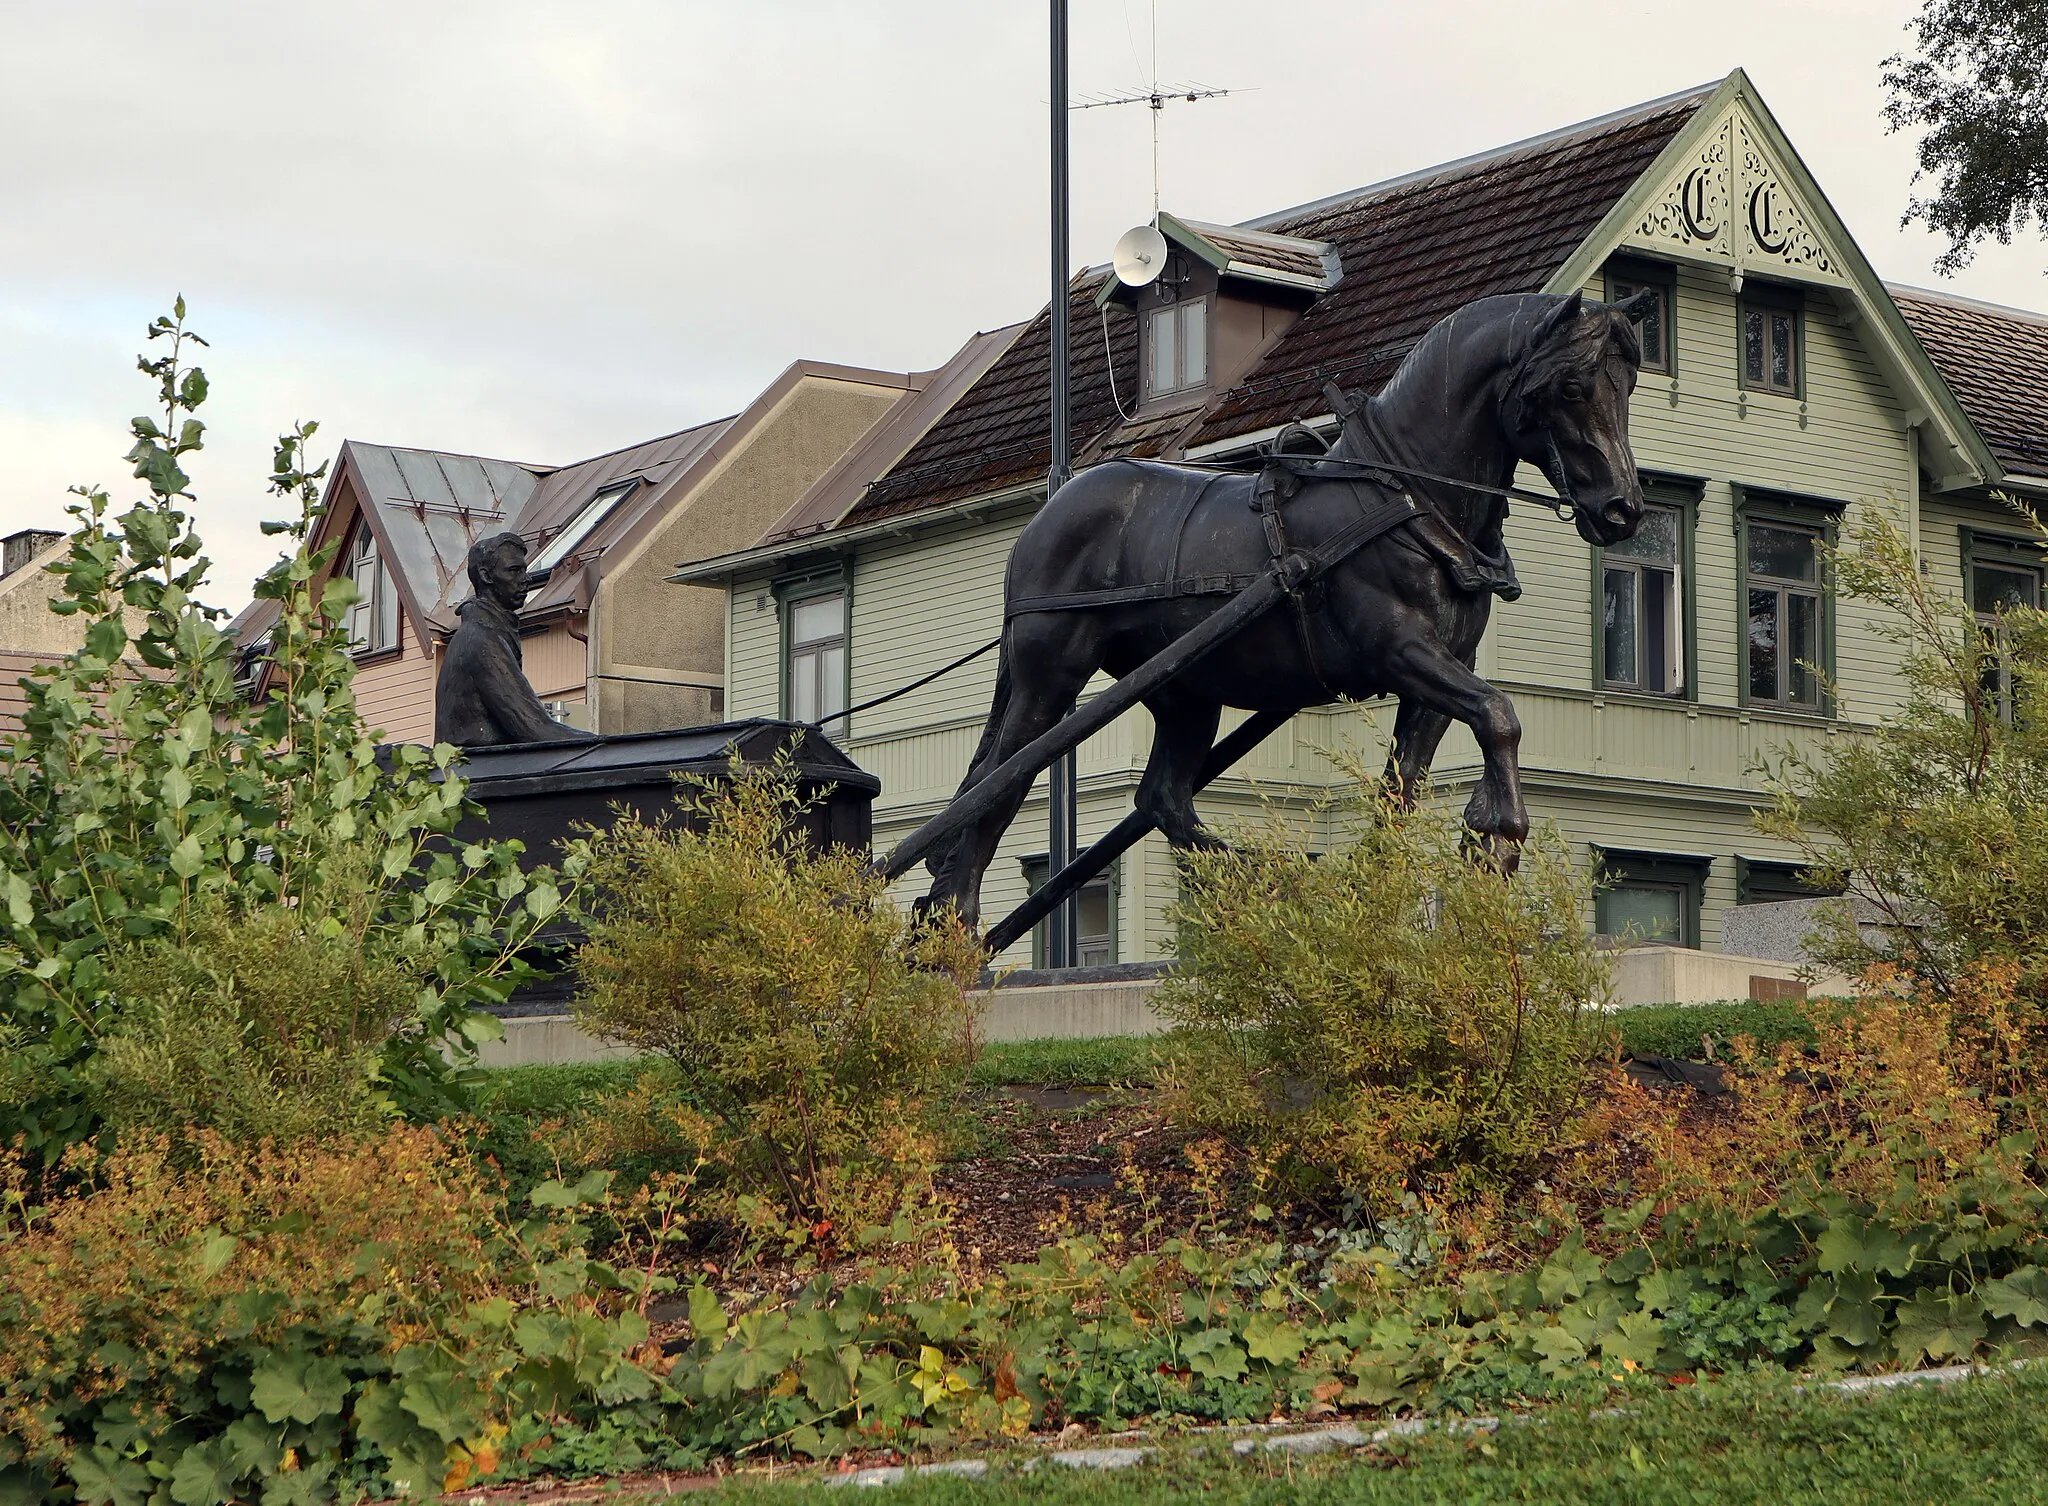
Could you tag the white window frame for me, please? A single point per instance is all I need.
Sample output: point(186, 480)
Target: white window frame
point(806, 672)
point(579, 528)
point(1674, 590)
point(372, 622)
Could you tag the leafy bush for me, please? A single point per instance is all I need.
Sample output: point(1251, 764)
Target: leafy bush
point(143, 796)
point(293, 1323)
point(1938, 822)
point(269, 1024)
point(1389, 1015)
point(807, 1019)
point(1683, 1030)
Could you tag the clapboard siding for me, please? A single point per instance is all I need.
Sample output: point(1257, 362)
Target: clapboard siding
point(396, 696)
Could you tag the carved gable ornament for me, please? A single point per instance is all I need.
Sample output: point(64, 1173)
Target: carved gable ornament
point(1731, 201)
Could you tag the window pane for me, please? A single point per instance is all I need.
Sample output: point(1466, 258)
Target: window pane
point(1997, 588)
point(1165, 350)
point(1620, 626)
point(1753, 347)
point(831, 681)
point(387, 609)
point(1645, 912)
point(1092, 904)
point(1802, 647)
point(1657, 590)
point(1649, 328)
point(1781, 352)
point(803, 687)
point(1656, 540)
point(1194, 353)
point(1763, 645)
point(1786, 553)
point(818, 618)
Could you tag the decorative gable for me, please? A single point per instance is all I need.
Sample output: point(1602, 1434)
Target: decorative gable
point(1730, 200)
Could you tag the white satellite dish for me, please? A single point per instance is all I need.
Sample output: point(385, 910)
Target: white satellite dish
point(1140, 256)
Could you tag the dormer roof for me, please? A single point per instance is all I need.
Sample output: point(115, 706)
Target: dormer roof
point(1238, 252)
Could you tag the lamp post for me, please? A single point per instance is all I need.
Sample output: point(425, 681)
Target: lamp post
point(1061, 943)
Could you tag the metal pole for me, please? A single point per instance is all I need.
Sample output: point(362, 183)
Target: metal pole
point(1061, 940)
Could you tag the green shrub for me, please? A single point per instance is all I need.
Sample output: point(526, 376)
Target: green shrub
point(294, 1324)
point(807, 1018)
point(269, 1024)
point(1389, 1015)
point(1682, 1030)
point(1053, 1062)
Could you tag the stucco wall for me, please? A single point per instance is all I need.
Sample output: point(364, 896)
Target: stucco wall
point(651, 631)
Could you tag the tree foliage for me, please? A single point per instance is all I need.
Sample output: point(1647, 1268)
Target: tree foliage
point(143, 797)
point(1937, 824)
point(1977, 89)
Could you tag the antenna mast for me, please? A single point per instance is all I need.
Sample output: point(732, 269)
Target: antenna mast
point(1156, 98)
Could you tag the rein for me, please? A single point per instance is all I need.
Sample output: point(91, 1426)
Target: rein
point(1323, 468)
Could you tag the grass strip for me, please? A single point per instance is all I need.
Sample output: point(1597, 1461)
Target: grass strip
point(1741, 1439)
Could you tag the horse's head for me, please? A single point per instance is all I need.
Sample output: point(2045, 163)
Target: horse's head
point(1566, 411)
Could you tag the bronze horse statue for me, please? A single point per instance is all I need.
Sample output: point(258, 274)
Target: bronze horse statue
point(1130, 555)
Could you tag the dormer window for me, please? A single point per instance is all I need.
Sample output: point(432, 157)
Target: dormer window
point(580, 527)
point(1177, 347)
point(373, 620)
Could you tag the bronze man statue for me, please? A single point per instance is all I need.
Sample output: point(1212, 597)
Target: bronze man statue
point(482, 697)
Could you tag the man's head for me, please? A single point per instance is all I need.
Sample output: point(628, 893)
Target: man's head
point(497, 569)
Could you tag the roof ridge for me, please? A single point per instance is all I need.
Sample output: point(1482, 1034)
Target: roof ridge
point(1478, 159)
point(1943, 295)
point(414, 449)
point(641, 444)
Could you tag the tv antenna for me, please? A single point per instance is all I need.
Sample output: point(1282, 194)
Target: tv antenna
point(1156, 98)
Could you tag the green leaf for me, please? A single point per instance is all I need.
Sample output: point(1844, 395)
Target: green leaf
point(104, 1478)
point(1638, 1337)
point(707, 1315)
point(542, 900)
point(298, 1387)
point(204, 1475)
point(1851, 1244)
point(443, 1406)
point(1274, 1340)
point(187, 858)
point(20, 901)
point(1938, 1325)
point(218, 1250)
point(1214, 1354)
point(1665, 1291)
point(107, 638)
point(2022, 1297)
point(1558, 1349)
point(1567, 1272)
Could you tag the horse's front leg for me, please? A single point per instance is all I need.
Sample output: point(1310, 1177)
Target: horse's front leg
point(1427, 673)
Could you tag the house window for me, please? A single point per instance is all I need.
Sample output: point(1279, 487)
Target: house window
point(815, 673)
point(1177, 347)
point(1999, 586)
point(1095, 917)
point(1784, 639)
point(1643, 607)
point(373, 620)
point(1654, 331)
point(1649, 898)
point(1770, 345)
point(1764, 881)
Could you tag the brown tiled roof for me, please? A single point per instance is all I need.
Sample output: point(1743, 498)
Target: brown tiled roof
point(1413, 250)
point(1995, 360)
point(1282, 254)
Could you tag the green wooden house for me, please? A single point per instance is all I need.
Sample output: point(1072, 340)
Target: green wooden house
point(1785, 387)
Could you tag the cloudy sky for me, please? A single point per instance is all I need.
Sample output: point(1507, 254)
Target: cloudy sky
point(540, 231)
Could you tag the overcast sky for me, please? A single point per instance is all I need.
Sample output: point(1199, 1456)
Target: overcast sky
point(541, 231)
